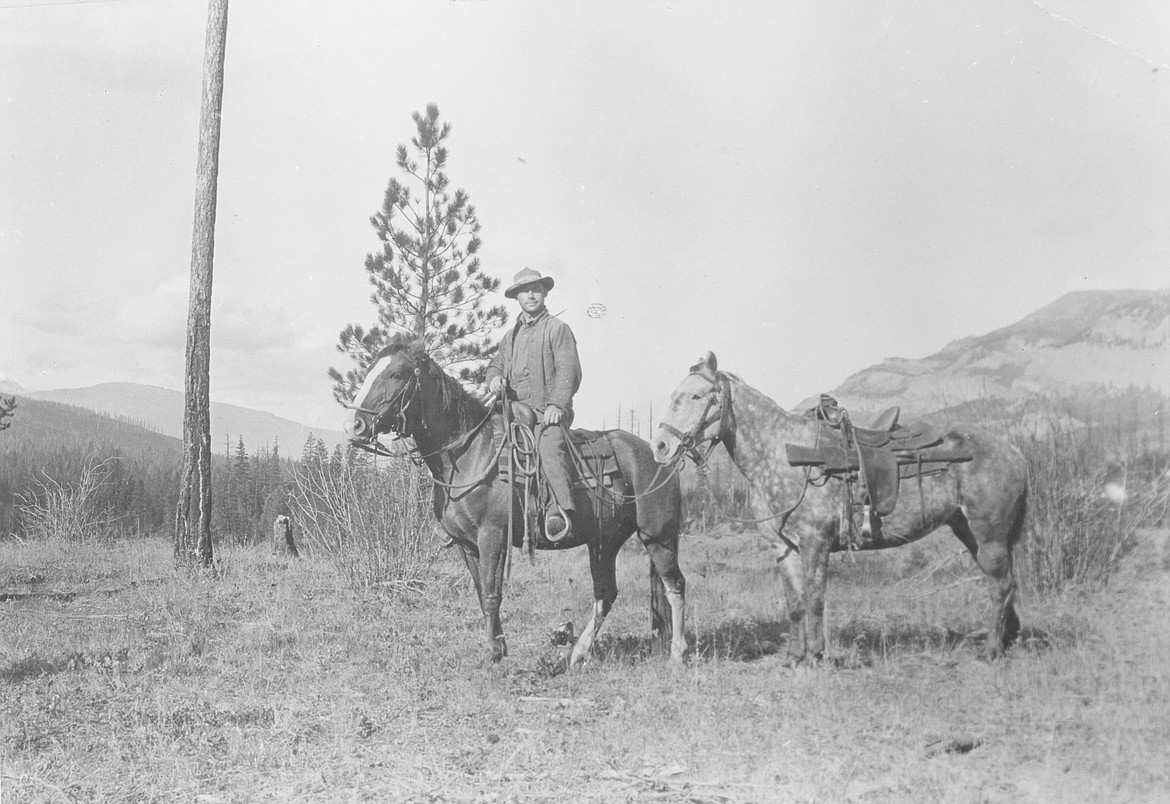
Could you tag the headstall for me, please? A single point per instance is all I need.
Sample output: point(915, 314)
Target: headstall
point(720, 395)
point(398, 424)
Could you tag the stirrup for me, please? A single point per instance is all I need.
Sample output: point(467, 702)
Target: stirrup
point(562, 533)
point(871, 523)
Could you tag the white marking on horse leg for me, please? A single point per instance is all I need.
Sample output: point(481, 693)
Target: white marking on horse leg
point(589, 633)
point(678, 636)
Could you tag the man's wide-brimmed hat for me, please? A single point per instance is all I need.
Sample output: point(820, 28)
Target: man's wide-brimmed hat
point(528, 277)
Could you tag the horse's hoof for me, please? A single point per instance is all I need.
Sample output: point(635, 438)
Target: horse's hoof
point(498, 651)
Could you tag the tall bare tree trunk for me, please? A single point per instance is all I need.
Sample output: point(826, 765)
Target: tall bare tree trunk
point(193, 517)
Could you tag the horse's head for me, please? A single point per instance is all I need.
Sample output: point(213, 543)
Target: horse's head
point(387, 400)
point(700, 412)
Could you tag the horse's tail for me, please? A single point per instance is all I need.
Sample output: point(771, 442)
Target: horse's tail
point(1009, 624)
point(1018, 529)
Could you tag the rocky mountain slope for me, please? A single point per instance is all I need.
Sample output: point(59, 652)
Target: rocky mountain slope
point(1087, 342)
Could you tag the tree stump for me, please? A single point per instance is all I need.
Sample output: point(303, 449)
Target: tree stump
point(282, 537)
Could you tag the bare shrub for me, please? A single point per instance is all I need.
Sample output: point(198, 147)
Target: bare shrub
point(1086, 508)
point(77, 512)
point(374, 524)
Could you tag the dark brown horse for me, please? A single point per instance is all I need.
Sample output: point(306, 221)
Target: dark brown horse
point(983, 500)
point(406, 393)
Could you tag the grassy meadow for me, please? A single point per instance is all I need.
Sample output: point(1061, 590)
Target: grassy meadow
point(125, 680)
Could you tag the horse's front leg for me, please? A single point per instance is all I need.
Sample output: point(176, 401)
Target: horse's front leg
point(793, 580)
point(493, 551)
point(491, 612)
point(814, 559)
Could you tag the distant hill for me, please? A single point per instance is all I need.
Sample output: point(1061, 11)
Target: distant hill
point(42, 422)
point(51, 442)
point(1084, 343)
point(161, 410)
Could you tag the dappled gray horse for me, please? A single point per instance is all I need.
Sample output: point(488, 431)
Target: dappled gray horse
point(983, 499)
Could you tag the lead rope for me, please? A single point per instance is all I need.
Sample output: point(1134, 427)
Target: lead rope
point(852, 536)
point(506, 417)
point(837, 418)
point(525, 463)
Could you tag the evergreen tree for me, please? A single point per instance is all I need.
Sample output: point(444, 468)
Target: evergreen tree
point(427, 278)
point(255, 497)
point(7, 408)
point(240, 493)
point(315, 451)
point(272, 467)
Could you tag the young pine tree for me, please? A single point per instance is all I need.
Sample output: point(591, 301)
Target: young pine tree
point(427, 278)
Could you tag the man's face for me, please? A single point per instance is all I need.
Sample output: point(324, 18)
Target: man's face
point(531, 298)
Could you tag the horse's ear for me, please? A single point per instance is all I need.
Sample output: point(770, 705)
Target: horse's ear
point(707, 366)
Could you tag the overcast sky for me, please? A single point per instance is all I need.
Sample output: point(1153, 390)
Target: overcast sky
point(804, 188)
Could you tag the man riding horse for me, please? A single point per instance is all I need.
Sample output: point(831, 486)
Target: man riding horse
point(538, 360)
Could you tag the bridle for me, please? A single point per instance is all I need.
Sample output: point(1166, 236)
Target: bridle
point(404, 399)
point(720, 394)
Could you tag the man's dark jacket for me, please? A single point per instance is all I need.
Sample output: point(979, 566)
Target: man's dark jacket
point(538, 357)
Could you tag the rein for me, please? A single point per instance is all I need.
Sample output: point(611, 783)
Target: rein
point(404, 403)
point(517, 436)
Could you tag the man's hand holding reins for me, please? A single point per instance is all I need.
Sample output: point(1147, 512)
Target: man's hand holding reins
point(552, 416)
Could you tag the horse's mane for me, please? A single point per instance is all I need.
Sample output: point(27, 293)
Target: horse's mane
point(754, 396)
point(453, 396)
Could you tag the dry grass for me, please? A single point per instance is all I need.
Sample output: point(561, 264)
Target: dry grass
point(121, 680)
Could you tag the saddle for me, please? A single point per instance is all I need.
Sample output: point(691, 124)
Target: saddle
point(873, 459)
point(597, 464)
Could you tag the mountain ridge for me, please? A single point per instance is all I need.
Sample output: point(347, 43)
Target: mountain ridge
point(161, 410)
point(1085, 341)
point(1095, 341)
